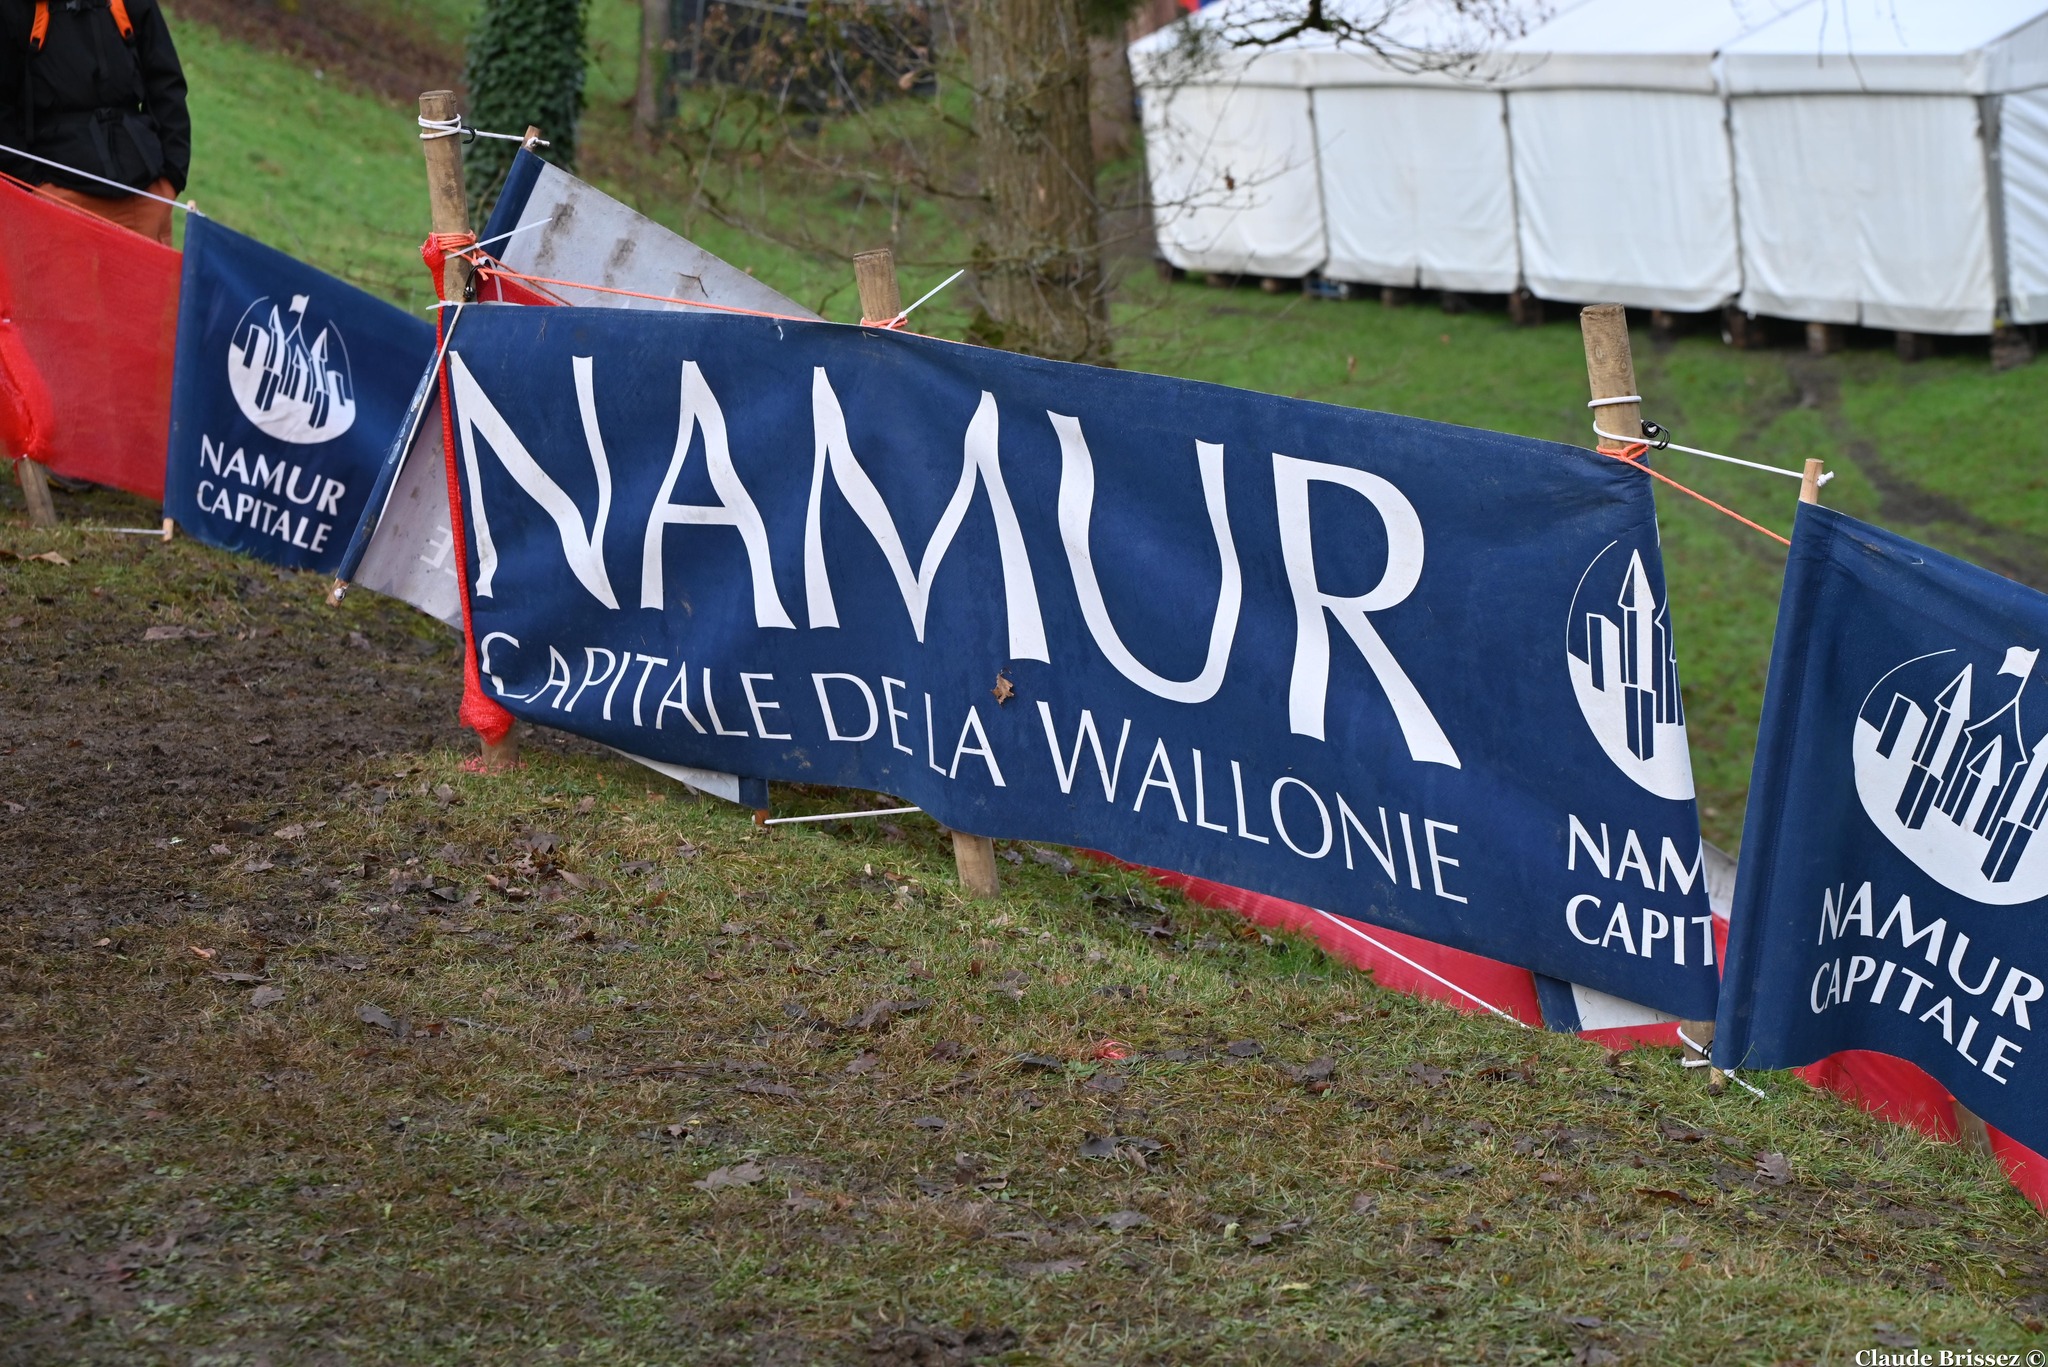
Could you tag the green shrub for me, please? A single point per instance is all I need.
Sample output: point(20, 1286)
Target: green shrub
point(525, 66)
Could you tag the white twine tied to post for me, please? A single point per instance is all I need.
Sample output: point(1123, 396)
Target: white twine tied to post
point(1704, 1062)
point(1659, 440)
point(455, 127)
point(187, 205)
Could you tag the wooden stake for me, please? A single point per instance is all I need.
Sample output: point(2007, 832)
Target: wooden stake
point(1611, 374)
point(1809, 482)
point(35, 491)
point(446, 199)
point(448, 204)
point(874, 275)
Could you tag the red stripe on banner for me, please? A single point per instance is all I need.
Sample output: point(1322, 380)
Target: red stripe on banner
point(88, 333)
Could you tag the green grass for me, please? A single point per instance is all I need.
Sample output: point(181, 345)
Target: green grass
point(595, 994)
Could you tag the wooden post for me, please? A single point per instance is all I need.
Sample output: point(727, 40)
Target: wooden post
point(1611, 374)
point(1823, 339)
point(449, 207)
point(874, 275)
point(446, 199)
point(35, 491)
point(1809, 481)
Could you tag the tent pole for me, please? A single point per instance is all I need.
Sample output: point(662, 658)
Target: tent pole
point(874, 275)
point(449, 207)
point(1610, 374)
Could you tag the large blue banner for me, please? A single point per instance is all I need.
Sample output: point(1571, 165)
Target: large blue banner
point(1892, 862)
point(1414, 674)
point(287, 389)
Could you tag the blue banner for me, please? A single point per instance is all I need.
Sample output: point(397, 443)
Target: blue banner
point(1892, 861)
point(288, 387)
point(1414, 674)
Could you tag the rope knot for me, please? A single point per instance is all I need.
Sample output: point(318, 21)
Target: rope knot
point(896, 324)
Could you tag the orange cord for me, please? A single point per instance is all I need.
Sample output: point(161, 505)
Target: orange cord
point(1634, 456)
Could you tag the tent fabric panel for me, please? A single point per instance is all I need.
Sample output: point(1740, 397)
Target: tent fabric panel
point(1926, 47)
point(1416, 188)
point(1635, 44)
point(1864, 209)
point(2023, 160)
point(1672, 244)
point(1234, 185)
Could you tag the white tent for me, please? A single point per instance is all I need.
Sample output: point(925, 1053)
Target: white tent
point(1869, 164)
point(1623, 178)
point(1314, 154)
point(1230, 149)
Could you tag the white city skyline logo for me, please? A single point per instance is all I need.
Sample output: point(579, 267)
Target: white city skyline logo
point(1945, 770)
point(1625, 672)
point(292, 389)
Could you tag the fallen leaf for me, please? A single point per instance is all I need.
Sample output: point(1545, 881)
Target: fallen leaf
point(930, 1122)
point(1364, 1203)
point(1773, 1168)
point(778, 1089)
point(1041, 1063)
point(1584, 1321)
point(377, 1016)
point(202, 953)
point(240, 979)
point(258, 866)
point(1120, 1221)
point(1244, 1048)
point(801, 1203)
point(1428, 1074)
point(1004, 690)
point(291, 832)
point(586, 806)
point(1057, 862)
point(1891, 1336)
point(738, 1175)
point(1667, 1194)
point(864, 1063)
point(266, 996)
point(259, 740)
point(1109, 1084)
point(878, 1016)
point(50, 557)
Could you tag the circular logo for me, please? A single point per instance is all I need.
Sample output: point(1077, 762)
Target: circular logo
point(293, 389)
point(1625, 672)
point(1946, 768)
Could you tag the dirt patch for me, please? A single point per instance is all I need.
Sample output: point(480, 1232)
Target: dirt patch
point(124, 755)
point(396, 57)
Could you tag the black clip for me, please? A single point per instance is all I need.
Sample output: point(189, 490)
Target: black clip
point(1658, 438)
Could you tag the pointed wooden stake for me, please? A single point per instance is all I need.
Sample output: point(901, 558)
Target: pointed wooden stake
point(448, 203)
point(874, 275)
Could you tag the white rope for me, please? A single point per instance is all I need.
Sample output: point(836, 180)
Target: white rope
point(522, 228)
point(1345, 925)
point(837, 816)
point(898, 319)
point(1704, 1062)
point(448, 128)
point(1619, 398)
point(1667, 445)
point(124, 189)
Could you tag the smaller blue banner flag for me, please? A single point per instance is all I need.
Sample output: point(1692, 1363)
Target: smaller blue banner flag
point(1893, 890)
point(287, 389)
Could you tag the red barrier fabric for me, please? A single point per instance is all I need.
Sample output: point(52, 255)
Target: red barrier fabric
point(1893, 1088)
point(88, 331)
point(1904, 1093)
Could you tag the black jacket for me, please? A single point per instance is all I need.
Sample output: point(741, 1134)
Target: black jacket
point(90, 100)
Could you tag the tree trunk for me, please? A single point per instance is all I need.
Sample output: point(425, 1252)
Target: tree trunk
point(651, 95)
point(1039, 257)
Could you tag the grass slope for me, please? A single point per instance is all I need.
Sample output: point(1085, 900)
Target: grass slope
point(400, 1064)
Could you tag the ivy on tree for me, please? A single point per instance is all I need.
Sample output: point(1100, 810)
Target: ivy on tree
point(525, 66)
